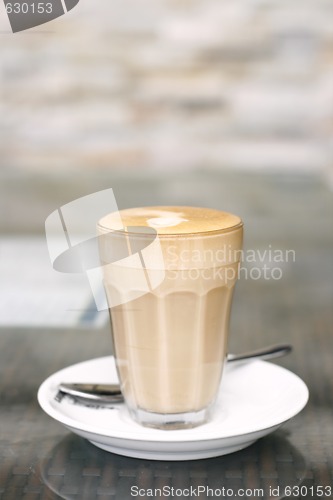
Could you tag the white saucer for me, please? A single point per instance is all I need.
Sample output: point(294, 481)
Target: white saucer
point(254, 400)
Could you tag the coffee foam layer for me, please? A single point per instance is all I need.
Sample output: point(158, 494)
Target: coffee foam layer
point(182, 238)
point(172, 220)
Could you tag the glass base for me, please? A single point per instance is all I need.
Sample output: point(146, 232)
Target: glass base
point(171, 421)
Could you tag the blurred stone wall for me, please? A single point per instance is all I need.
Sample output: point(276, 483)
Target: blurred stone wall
point(168, 84)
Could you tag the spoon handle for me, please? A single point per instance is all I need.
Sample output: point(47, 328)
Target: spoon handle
point(271, 352)
point(111, 393)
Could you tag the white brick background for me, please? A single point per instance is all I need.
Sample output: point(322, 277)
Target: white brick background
point(168, 84)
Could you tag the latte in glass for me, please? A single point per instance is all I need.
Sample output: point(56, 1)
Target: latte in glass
point(170, 294)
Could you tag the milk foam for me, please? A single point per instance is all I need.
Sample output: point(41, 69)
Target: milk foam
point(173, 220)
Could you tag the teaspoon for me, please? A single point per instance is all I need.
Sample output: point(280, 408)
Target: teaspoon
point(111, 393)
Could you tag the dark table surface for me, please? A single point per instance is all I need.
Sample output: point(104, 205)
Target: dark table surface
point(39, 459)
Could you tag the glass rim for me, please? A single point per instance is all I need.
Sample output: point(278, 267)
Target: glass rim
point(213, 232)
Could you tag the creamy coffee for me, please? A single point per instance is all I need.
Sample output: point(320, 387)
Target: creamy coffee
point(170, 296)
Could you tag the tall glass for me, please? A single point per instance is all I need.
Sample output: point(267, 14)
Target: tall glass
point(169, 276)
